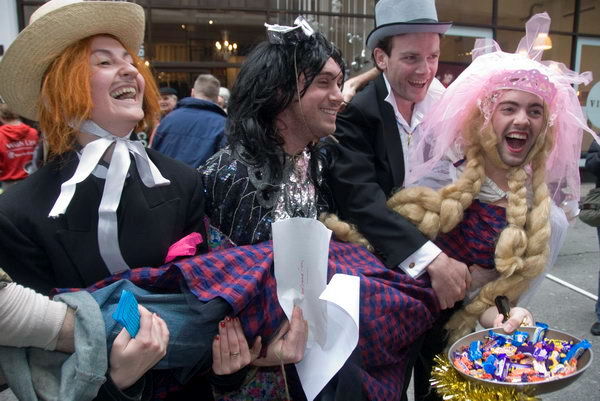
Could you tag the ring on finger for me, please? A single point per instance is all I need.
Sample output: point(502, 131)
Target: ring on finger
point(234, 354)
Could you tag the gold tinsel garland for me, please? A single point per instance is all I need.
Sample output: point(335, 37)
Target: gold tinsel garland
point(452, 386)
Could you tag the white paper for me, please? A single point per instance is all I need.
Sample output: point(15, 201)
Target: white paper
point(301, 250)
point(320, 364)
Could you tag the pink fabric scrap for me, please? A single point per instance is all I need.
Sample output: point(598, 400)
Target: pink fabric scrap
point(184, 247)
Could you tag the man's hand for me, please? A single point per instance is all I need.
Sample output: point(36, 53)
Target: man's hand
point(130, 357)
point(354, 84)
point(518, 316)
point(450, 280)
point(289, 344)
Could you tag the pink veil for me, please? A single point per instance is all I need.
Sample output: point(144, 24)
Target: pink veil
point(441, 141)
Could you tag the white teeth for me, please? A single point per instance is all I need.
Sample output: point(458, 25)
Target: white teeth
point(515, 135)
point(122, 91)
point(327, 111)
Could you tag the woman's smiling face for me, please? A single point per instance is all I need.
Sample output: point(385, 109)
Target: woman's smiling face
point(116, 85)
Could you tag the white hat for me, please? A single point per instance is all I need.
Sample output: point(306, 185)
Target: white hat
point(53, 27)
point(395, 17)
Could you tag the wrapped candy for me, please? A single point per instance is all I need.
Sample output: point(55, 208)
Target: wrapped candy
point(577, 350)
point(515, 359)
point(475, 352)
point(539, 333)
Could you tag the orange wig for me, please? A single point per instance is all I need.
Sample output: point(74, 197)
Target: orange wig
point(66, 96)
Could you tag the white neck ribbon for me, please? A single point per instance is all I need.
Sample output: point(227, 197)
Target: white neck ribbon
point(108, 232)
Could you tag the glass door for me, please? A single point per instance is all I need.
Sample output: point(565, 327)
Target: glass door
point(587, 58)
point(456, 47)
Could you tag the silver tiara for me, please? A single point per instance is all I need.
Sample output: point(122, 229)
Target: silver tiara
point(284, 35)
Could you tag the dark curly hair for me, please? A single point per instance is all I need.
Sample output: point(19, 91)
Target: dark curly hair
point(265, 86)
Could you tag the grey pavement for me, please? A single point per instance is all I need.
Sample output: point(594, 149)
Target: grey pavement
point(562, 308)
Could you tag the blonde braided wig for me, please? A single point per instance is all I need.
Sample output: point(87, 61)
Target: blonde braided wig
point(522, 248)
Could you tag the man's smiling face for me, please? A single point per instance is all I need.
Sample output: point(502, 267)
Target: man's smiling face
point(517, 120)
point(411, 65)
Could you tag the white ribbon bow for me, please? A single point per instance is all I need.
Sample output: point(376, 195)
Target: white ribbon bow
point(108, 233)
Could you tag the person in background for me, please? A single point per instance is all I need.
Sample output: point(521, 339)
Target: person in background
point(167, 103)
point(17, 144)
point(592, 164)
point(224, 95)
point(195, 130)
point(168, 100)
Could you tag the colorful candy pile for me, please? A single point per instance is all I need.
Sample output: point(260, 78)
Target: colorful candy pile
point(519, 359)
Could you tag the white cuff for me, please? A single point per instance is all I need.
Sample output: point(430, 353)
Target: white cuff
point(416, 263)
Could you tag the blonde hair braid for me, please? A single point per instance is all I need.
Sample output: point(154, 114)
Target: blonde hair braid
point(428, 209)
point(517, 268)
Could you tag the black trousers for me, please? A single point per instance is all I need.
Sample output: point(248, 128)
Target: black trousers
point(346, 385)
point(434, 343)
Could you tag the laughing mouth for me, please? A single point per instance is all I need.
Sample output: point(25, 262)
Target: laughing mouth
point(418, 84)
point(516, 141)
point(127, 92)
point(331, 112)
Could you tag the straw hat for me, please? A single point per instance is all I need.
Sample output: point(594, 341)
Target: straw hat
point(52, 28)
point(395, 17)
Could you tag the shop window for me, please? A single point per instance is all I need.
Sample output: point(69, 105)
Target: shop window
point(454, 58)
point(589, 15)
point(516, 13)
point(465, 11)
point(588, 59)
point(196, 36)
point(366, 7)
point(560, 51)
point(349, 35)
point(216, 4)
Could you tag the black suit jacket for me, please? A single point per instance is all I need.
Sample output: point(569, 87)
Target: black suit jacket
point(43, 253)
point(368, 167)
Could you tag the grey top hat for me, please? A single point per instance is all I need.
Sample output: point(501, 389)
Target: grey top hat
point(395, 17)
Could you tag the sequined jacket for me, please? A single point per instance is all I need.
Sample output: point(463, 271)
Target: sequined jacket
point(241, 199)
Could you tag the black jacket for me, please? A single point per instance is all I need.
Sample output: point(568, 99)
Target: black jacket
point(592, 161)
point(43, 253)
point(367, 168)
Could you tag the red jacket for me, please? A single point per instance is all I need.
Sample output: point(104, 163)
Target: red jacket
point(17, 143)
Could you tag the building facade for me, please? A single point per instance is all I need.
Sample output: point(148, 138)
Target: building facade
point(188, 37)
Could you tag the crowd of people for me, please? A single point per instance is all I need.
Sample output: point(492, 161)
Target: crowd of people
point(440, 200)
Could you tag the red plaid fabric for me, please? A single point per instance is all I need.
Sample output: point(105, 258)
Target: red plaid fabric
point(394, 311)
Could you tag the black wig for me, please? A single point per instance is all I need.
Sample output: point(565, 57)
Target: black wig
point(265, 86)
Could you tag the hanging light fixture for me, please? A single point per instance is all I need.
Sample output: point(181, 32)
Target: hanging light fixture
point(542, 42)
point(226, 48)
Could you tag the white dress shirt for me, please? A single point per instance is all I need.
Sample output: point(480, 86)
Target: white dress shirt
point(416, 263)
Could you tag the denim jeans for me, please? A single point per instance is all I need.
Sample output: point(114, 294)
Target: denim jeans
point(192, 324)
